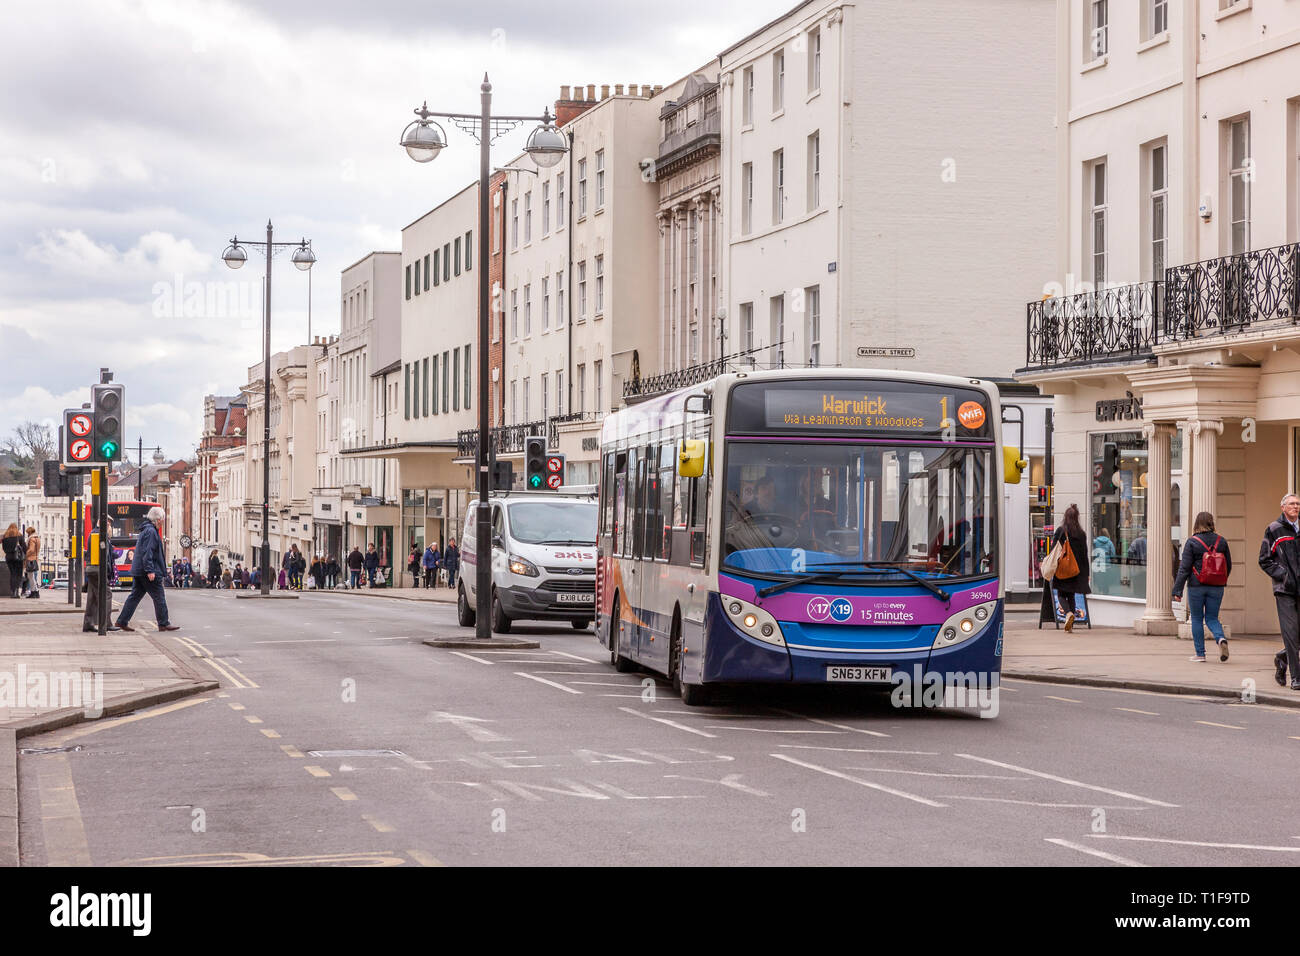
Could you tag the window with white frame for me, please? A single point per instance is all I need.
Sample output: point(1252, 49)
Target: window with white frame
point(528, 217)
point(778, 186)
point(1159, 211)
point(546, 303)
point(1097, 221)
point(597, 374)
point(814, 170)
point(582, 389)
point(546, 396)
point(812, 301)
point(559, 200)
point(814, 60)
point(1156, 20)
point(546, 208)
point(746, 198)
point(514, 401)
point(777, 329)
point(600, 179)
point(747, 327)
point(1097, 29)
point(778, 81)
point(559, 299)
point(1239, 184)
point(514, 223)
point(747, 96)
point(528, 310)
point(559, 393)
point(600, 284)
point(526, 418)
point(514, 314)
point(582, 291)
point(582, 188)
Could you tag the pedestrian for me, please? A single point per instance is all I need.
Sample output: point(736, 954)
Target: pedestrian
point(299, 567)
point(318, 572)
point(227, 579)
point(237, 578)
point(1070, 588)
point(1279, 556)
point(15, 551)
point(1205, 567)
point(176, 572)
point(451, 561)
point(332, 572)
point(147, 569)
point(246, 580)
point(372, 563)
point(355, 563)
point(257, 577)
point(33, 563)
point(430, 564)
point(413, 565)
point(214, 569)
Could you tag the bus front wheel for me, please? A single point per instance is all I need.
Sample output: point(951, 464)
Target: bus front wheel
point(621, 664)
point(692, 695)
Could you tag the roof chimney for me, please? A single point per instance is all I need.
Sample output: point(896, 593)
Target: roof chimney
point(566, 109)
point(604, 91)
point(658, 90)
point(618, 89)
point(564, 92)
point(591, 91)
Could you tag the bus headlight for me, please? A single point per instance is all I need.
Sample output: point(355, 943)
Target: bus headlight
point(754, 621)
point(964, 625)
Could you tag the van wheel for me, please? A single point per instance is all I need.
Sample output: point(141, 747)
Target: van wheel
point(500, 621)
point(621, 664)
point(465, 614)
point(580, 625)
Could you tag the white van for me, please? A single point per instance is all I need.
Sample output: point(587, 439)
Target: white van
point(543, 559)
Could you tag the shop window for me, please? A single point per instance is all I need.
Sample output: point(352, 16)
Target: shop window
point(1117, 525)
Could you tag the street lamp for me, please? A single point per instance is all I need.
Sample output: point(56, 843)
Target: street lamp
point(235, 256)
point(423, 139)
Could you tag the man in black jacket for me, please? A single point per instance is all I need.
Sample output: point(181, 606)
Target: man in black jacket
point(1279, 556)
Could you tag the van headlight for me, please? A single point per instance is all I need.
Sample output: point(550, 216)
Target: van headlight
point(522, 566)
point(754, 621)
point(964, 625)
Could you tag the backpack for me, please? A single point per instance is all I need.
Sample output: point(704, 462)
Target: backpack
point(1214, 566)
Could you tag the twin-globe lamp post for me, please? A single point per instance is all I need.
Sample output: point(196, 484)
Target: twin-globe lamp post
point(303, 258)
point(423, 140)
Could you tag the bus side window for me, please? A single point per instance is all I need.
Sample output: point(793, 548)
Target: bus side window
point(650, 507)
point(667, 476)
point(607, 494)
point(636, 529)
point(620, 497)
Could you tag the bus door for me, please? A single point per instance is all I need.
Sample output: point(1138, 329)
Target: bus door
point(636, 581)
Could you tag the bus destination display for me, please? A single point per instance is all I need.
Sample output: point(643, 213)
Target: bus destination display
point(835, 409)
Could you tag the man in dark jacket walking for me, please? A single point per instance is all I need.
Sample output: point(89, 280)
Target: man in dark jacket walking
point(1279, 556)
point(148, 569)
point(355, 563)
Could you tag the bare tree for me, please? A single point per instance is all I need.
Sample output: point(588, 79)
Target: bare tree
point(28, 448)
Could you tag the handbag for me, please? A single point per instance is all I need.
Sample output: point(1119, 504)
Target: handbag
point(33, 566)
point(379, 577)
point(1048, 565)
point(1068, 567)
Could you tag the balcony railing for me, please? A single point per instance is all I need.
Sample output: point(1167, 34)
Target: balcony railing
point(1112, 324)
point(509, 439)
point(678, 378)
point(1231, 293)
point(707, 130)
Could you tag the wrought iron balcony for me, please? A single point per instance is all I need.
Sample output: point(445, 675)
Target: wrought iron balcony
point(1231, 293)
point(678, 378)
point(509, 439)
point(1109, 325)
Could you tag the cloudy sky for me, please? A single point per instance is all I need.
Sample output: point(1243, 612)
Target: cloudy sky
point(138, 136)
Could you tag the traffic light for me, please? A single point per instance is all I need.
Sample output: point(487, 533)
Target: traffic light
point(555, 472)
point(108, 408)
point(534, 462)
point(503, 476)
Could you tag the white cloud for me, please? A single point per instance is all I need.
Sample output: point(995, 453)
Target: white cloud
point(72, 251)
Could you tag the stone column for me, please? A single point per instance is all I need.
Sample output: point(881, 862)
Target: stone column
point(1158, 617)
point(1204, 435)
point(665, 291)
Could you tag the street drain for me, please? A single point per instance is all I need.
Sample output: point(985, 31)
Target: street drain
point(42, 751)
point(355, 753)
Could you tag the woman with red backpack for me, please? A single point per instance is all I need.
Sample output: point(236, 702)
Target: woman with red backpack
point(1205, 567)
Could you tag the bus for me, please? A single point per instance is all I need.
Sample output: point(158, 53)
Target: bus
point(123, 521)
point(804, 526)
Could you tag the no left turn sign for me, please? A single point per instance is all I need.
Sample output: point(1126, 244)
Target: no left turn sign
point(80, 425)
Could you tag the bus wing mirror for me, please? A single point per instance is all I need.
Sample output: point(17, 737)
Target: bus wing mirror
point(1012, 465)
point(690, 457)
point(697, 404)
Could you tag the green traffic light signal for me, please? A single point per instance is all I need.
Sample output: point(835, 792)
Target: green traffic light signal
point(535, 481)
point(107, 450)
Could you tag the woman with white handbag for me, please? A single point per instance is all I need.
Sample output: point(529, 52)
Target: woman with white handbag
point(1066, 567)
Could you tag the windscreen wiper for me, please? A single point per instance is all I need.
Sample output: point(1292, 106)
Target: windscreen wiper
point(926, 583)
point(791, 582)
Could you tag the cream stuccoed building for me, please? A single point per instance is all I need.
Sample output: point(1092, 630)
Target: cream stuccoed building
point(1167, 334)
point(887, 180)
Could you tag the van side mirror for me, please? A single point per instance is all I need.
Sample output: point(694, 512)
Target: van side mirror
point(690, 458)
point(497, 542)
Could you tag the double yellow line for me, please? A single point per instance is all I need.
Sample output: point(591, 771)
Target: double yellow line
point(229, 671)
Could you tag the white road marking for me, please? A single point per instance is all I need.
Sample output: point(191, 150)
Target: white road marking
point(302, 640)
point(551, 683)
point(1216, 846)
point(1210, 723)
point(1068, 700)
point(1067, 781)
point(861, 783)
point(1122, 861)
point(470, 725)
point(935, 773)
point(855, 750)
point(604, 683)
point(530, 661)
point(471, 657)
point(769, 730)
point(1054, 806)
point(564, 673)
point(831, 723)
point(576, 657)
point(1134, 710)
point(636, 696)
point(670, 723)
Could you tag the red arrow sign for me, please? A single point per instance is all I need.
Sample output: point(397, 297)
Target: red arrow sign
point(554, 481)
point(80, 450)
point(80, 425)
point(553, 465)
